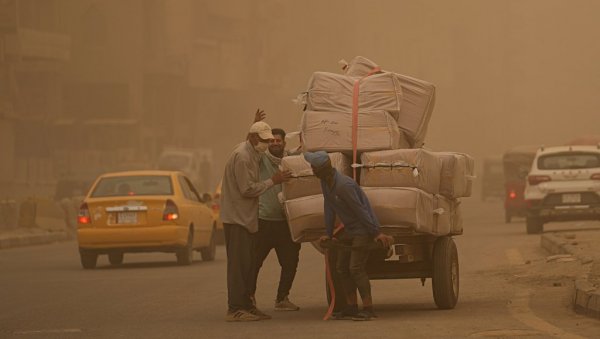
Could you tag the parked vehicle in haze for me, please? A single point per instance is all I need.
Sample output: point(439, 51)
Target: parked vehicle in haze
point(196, 164)
point(563, 185)
point(144, 211)
point(516, 162)
point(492, 181)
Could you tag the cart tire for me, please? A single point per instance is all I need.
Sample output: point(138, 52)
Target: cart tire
point(445, 280)
point(534, 225)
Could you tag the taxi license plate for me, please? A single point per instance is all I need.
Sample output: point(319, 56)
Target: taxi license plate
point(126, 218)
point(571, 198)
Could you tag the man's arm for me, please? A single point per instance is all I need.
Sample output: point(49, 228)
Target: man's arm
point(248, 187)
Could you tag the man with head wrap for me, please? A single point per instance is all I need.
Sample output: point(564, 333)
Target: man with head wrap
point(345, 199)
point(241, 187)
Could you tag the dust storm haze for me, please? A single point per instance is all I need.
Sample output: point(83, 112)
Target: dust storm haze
point(90, 86)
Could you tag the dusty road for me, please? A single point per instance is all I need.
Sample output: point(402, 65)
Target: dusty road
point(507, 290)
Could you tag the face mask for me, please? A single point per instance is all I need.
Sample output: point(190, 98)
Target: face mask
point(261, 147)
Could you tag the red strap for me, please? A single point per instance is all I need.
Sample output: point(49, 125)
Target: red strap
point(331, 287)
point(329, 278)
point(355, 94)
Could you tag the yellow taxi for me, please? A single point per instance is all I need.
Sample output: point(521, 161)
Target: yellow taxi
point(144, 211)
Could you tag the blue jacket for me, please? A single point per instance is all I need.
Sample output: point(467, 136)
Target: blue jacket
point(348, 201)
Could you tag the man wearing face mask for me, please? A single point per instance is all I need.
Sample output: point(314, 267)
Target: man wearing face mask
point(240, 191)
point(273, 229)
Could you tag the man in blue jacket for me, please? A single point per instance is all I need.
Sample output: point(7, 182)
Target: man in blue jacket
point(344, 197)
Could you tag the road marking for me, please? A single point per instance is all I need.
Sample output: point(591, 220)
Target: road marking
point(65, 330)
point(519, 306)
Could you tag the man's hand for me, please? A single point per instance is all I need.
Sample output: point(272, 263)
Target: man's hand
point(281, 176)
point(386, 240)
point(260, 115)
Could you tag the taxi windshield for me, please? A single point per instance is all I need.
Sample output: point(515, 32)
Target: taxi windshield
point(133, 185)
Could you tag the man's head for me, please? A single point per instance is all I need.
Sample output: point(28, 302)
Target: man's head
point(320, 163)
point(277, 144)
point(260, 135)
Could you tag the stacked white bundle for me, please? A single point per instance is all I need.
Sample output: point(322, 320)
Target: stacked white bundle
point(303, 182)
point(416, 168)
point(332, 131)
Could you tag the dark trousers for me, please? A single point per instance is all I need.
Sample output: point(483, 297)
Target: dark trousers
point(240, 245)
point(352, 264)
point(276, 235)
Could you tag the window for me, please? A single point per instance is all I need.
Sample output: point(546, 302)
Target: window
point(570, 160)
point(133, 186)
point(188, 189)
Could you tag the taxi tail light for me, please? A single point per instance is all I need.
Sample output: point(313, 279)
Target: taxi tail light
point(215, 208)
point(595, 176)
point(512, 194)
point(537, 179)
point(171, 211)
point(83, 217)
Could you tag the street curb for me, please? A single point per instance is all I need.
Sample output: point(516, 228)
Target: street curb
point(33, 239)
point(586, 297)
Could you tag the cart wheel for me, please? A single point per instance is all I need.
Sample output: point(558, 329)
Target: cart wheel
point(445, 273)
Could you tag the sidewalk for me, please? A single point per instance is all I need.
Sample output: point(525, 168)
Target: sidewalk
point(26, 236)
point(585, 246)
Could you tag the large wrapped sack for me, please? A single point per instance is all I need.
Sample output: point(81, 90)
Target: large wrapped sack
point(303, 182)
point(306, 218)
point(334, 92)
point(418, 99)
point(458, 171)
point(449, 216)
point(416, 168)
point(332, 131)
point(412, 207)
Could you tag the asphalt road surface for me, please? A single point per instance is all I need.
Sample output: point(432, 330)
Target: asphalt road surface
point(507, 289)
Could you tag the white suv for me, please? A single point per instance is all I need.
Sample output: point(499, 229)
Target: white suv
point(563, 185)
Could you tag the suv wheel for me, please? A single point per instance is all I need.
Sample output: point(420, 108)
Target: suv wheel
point(534, 225)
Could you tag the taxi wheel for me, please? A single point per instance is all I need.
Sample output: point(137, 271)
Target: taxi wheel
point(185, 256)
point(209, 253)
point(88, 261)
point(115, 258)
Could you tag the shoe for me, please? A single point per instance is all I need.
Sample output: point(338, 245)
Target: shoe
point(262, 315)
point(346, 314)
point(364, 315)
point(285, 305)
point(241, 315)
